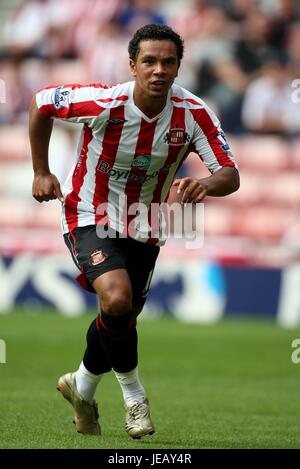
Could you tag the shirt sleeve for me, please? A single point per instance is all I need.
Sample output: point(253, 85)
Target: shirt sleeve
point(209, 140)
point(74, 103)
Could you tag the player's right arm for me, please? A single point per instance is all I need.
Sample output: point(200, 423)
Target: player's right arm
point(74, 103)
point(45, 185)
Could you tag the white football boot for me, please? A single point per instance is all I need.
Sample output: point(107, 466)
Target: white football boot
point(138, 422)
point(86, 414)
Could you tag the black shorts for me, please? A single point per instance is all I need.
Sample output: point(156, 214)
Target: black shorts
point(94, 256)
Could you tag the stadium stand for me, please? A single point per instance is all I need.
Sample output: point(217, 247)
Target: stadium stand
point(265, 209)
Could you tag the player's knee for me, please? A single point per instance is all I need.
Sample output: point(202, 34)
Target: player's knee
point(117, 303)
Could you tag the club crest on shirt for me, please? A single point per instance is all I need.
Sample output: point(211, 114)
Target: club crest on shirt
point(97, 257)
point(177, 136)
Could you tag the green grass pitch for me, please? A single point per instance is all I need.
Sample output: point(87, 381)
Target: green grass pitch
point(228, 385)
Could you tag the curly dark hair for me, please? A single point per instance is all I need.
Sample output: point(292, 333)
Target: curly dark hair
point(155, 32)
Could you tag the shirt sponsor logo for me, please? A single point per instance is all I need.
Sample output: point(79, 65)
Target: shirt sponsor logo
point(60, 97)
point(142, 162)
point(117, 175)
point(177, 136)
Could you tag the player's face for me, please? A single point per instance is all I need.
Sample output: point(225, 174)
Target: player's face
point(155, 67)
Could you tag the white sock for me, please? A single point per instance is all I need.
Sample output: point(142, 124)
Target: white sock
point(86, 383)
point(131, 386)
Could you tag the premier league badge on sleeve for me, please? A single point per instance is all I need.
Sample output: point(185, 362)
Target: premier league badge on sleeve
point(61, 97)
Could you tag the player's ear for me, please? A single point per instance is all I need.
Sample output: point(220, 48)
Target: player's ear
point(132, 67)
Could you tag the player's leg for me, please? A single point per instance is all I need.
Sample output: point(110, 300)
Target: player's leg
point(95, 362)
point(79, 387)
point(112, 338)
point(119, 339)
point(140, 262)
point(116, 327)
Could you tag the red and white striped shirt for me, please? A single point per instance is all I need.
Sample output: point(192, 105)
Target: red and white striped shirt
point(124, 157)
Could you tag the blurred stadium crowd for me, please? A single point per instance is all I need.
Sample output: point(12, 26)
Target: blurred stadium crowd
point(241, 56)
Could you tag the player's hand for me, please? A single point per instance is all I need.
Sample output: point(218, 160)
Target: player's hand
point(192, 190)
point(46, 187)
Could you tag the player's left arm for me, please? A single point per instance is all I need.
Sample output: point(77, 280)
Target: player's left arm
point(210, 143)
point(223, 182)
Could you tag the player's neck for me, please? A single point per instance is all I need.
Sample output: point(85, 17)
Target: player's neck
point(149, 106)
